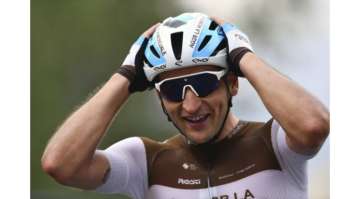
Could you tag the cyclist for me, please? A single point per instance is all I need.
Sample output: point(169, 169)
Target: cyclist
point(194, 62)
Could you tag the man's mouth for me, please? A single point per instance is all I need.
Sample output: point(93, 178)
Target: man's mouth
point(196, 118)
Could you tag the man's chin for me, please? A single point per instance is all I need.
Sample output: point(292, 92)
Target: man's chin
point(199, 139)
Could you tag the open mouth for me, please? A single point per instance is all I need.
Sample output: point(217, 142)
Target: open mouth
point(197, 118)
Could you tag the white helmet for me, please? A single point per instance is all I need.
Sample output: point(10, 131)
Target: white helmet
point(187, 40)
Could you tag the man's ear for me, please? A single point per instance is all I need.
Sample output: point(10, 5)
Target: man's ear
point(233, 83)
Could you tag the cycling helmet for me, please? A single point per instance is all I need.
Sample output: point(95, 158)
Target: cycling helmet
point(189, 39)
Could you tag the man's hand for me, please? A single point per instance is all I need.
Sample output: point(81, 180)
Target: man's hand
point(238, 45)
point(132, 67)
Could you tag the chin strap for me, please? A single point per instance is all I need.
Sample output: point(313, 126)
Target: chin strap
point(169, 119)
point(166, 113)
point(216, 136)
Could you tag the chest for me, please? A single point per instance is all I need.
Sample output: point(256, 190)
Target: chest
point(267, 184)
point(239, 170)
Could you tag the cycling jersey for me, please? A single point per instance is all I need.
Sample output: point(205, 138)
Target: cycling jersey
point(253, 162)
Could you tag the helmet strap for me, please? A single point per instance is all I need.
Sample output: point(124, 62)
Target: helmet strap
point(166, 113)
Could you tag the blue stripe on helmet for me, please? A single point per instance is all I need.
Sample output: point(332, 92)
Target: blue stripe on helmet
point(151, 58)
point(216, 37)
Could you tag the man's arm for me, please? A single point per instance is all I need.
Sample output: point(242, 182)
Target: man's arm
point(70, 154)
point(303, 117)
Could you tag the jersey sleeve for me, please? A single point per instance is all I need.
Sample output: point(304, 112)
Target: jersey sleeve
point(128, 172)
point(292, 163)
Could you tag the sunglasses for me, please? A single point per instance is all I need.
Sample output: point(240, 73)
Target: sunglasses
point(201, 83)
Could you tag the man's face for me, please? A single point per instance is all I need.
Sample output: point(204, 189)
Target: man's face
point(199, 118)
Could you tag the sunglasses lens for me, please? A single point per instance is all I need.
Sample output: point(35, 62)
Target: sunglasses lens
point(172, 90)
point(204, 84)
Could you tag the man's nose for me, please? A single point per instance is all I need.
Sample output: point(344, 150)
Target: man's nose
point(191, 102)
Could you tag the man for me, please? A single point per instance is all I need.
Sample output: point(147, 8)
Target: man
point(193, 62)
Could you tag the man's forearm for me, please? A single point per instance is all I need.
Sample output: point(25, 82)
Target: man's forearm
point(75, 141)
point(301, 115)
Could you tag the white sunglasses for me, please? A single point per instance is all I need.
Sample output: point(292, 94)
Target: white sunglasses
point(201, 83)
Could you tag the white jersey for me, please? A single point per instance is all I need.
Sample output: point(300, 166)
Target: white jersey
point(253, 163)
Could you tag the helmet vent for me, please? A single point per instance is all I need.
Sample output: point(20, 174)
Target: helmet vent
point(152, 48)
point(176, 42)
point(213, 25)
point(174, 23)
point(204, 42)
point(147, 62)
point(221, 46)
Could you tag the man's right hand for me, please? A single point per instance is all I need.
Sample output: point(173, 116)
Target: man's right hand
point(132, 67)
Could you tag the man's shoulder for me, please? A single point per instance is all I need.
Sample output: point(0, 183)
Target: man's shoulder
point(173, 142)
point(254, 128)
point(256, 132)
point(162, 151)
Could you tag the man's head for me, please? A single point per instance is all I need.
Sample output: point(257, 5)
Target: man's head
point(186, 58)
point(197, 100)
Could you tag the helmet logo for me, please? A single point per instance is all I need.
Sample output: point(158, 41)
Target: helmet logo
point(197, 60)
point(162, 49)
point(158, 68)
point(196, 33)
point(179, 62)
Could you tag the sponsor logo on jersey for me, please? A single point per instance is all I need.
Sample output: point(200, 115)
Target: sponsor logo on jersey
point(247, 168)
point(189, 181)
point(196, 33)
point(247, 195)
point(189, 166)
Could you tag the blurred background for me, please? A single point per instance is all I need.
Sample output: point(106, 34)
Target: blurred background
point(77, 44)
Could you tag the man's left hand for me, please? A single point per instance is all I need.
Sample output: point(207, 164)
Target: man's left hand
point(238, 45)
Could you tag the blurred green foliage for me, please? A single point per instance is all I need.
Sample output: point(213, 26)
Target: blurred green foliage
point(75, 47)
